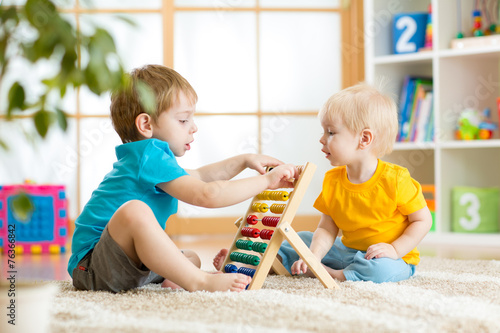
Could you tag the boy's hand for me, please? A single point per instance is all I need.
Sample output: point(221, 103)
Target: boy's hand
point(282, 176)
point(299, 267)
point(381, 250)
point(260, 162)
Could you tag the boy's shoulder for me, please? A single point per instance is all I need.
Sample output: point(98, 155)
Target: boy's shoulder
point(142, 146)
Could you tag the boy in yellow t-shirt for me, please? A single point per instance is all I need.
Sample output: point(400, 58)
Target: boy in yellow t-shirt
point(377, 205)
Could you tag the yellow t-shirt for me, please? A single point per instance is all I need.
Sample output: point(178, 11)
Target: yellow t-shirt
point(372, 212)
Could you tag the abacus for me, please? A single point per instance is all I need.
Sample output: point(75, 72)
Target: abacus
point(259, 236)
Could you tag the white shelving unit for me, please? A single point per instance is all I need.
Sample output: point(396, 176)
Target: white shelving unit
point(462, 78)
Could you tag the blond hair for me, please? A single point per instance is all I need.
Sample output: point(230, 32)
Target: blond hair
point(363, 106)
point(165, 83)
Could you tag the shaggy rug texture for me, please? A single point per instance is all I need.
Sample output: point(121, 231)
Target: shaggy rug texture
point(444, 296)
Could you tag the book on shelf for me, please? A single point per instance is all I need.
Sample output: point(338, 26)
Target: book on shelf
point(415, 116)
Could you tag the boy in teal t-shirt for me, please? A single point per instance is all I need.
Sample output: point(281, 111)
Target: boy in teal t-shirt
point(119, 241)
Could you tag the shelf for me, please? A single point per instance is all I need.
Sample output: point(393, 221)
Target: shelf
point(463, 77)
point(414, 146)
point(468, 144)
point(416, 57)
point(426, 56)
point(453, 238)
point(476, 53)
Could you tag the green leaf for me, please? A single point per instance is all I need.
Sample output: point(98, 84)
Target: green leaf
point(103, 41)
point(146, 96)
point(44, 46)
point(40, 13)
point(67, 34)
point(4, 145)
point(52, 36)
point(62, 119)
point(69, 62)
point(16, 98)
point(9, 14)
point(3, 48)
point(22, 206)
point(43, 120)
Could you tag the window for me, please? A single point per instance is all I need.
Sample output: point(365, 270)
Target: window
point(261, 68)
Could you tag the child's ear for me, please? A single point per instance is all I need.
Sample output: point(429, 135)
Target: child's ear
point(366, 138)
point(143, 122)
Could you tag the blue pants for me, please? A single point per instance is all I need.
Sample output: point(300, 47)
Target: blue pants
point(353, 262)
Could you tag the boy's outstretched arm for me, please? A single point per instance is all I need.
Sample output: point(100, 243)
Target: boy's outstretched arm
point(419, 225)
point(222, 193)
point(228, 168)
point(321, 243)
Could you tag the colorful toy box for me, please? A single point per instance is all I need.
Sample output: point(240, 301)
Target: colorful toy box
point(475, 209)
point(46, 231)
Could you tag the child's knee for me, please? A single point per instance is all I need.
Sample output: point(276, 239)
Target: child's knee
point(133, 213)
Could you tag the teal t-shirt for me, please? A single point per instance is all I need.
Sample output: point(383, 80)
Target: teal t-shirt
point(140, 166)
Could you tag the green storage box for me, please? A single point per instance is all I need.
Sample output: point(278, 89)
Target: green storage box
point(475, 209)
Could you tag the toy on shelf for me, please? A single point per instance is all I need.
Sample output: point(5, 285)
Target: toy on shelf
point(477, 25)
point(409, 32)
point(484, 28)
point(259, 236)
point(475, 209)
point(473, 125)
point(46, 230)
point(428, 32)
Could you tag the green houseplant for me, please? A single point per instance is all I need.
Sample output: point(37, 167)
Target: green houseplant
point(38, 32)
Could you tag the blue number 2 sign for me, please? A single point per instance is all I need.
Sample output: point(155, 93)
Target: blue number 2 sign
point(409, 32)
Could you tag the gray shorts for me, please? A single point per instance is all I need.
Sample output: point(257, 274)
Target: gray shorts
point(107, 267)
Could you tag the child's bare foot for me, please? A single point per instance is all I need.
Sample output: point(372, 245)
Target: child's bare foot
point(219, 259)
point(169, 284)
point(225, 282)
point(336, 274)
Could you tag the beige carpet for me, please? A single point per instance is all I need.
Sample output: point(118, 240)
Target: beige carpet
point(444, 296)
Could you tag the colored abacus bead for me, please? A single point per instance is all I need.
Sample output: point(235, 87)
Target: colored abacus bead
point(247, 271)
point(244, 258)
point(250, 232)
point(259, 247)
point(260, 207)
point(252, 219)
point(244, 244)
point(252, 260)
point(235, 256)
point(273, 195)
point(270, 221)
point(230, 268)
point(266, 234)
point(277, 208)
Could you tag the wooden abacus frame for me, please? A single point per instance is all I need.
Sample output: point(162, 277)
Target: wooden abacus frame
point(284, 231)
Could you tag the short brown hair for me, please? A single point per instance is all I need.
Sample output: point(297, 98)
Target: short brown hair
point(166, 85)
point(364, 106)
